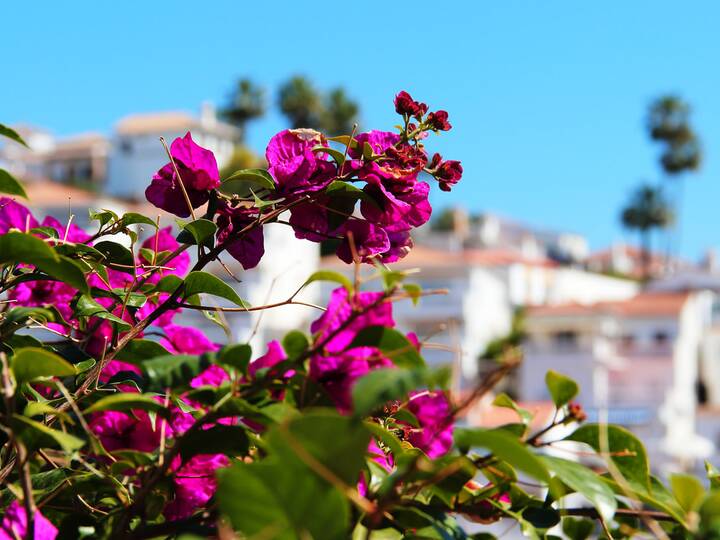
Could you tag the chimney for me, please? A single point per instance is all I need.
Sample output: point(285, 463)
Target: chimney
point(710, 261)
point(208, 117)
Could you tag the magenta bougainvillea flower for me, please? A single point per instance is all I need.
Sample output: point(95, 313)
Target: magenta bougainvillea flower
point(293, 164)
point(246, 248)
point(379, 141)
point(67, 232)
point(311, 221)
point(274, 355)
point(332, 327)
point(198, 170)
point(400, 245)
point(195, 484)
point(162, 241)
point(186, 340)
point(338, 373)
point(14, 215)
point(14, 524)
point(434, 434)
point(125, 431)
point(368, 239)
point(44, 293)
point(397, 212)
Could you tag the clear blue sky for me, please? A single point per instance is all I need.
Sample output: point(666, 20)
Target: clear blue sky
point(547, 98)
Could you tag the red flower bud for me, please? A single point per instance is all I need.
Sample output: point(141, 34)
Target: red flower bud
point(438, 121)
point(405, 104)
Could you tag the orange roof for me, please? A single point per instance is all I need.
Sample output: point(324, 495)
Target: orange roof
point(630, 251)
point(424, 256)
point(47, 193)
point(485, 414)
point(643, 304)
point(155, 122)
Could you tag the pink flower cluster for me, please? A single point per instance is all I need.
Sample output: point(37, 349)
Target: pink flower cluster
point(394, 199)
point(340, 364)
point(14, 524)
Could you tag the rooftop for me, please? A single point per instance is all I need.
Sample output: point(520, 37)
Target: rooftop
point(170, 121)
point(652, 304)
point(423, 256)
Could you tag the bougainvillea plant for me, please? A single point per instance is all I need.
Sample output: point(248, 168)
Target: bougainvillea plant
point(117, 422)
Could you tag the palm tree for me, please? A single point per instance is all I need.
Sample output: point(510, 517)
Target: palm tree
point(340, 113)
point(669, 124)
point(246, 103)
point(646, 210)
point(306, 107)
point(301, 103)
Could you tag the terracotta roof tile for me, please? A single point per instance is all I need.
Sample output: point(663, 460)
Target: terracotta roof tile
point(643, 304)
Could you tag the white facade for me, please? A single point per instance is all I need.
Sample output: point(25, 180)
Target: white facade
point(136, 152)
point(637, 364)
point(484, 289)
point(286, 265)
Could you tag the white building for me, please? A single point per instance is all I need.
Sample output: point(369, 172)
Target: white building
point(484, 288)
point(136, 152)
point(493, 231)
point(637, 361)
point(79, 160)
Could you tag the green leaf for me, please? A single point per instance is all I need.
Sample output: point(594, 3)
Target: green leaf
point(172, 371)
point(141, 349)
point(295, 343)
point(39, 408)
point(202, 282)
point(201, 232)
point(281, 501)
point(586, 482)
point(132, 218)
point(710, 513)
point(104, 217)
point(503, 446)
point(169, 284)
point(17, 247)
point(125, 401)
point(542, 517)
point(688, 491)
point(10, 133)
point(85, 306)
point(713, 475)
point(32, 363)
point(219, 439)
point(382, 385)
point(329, 275)
point(240, 182)
point(503, 400)
point(236, 356)
point(562, 388)
point(337, 442)
point(117, 256)
point(10, 185)
point(36, 435)
point(337, 156)
point(414, 291)
point(393, 344)
point(627, 452)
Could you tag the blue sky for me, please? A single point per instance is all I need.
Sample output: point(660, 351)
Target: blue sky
point(547, 98)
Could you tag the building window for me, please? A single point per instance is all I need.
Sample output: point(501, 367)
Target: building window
point(565, 339)
point(627, 341)
point(660, 338)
